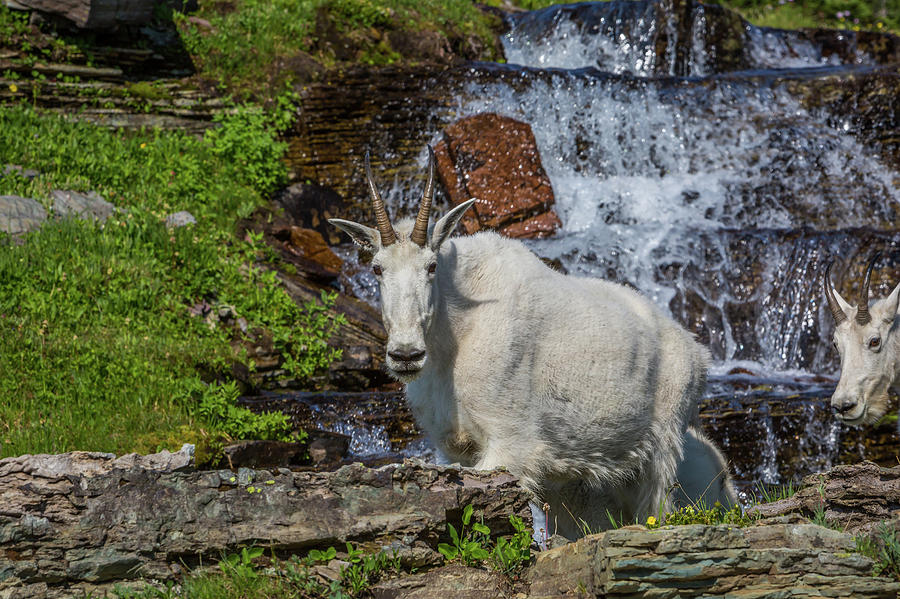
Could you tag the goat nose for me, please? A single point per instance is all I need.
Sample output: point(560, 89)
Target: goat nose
point(845, 407)
point(407, 355)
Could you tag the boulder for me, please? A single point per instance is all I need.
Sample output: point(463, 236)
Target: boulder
point(776, 560)
point(182, 218)
point(495, 159)
point(20, 215)
point(80, 205)
point(314, 257)
point(855, 498)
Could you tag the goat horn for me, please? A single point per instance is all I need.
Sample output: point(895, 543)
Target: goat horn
point(381, 216)
point(836, 311)
point(419, 233)
point(862, 310)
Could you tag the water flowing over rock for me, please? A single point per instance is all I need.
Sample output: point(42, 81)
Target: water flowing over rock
point(80, 522)
point(495, 160)
point(679, 38)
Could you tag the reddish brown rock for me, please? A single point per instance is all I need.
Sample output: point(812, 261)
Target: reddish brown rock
point(495, 159)
point(314, 255)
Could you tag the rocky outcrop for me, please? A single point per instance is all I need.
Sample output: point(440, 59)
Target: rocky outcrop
point(293, 226)
point(95, 14)
point(83, 522)
point(855, 499)
point(87, 520)
point(778, 560)
point(496, 160)
point(20, 215)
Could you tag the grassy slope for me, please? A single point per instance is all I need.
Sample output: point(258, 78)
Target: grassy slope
point(99, 349)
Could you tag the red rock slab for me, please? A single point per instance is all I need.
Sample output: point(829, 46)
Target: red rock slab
point(495, 159)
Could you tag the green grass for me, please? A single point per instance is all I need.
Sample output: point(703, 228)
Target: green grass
point(98, 344)
point(250, 574)
point(884, 549)
point(246, 44)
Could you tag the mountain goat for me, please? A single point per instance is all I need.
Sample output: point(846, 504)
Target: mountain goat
point(869, 345)
point(581, 387)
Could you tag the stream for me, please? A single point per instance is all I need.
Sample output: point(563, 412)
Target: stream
point(706, 174)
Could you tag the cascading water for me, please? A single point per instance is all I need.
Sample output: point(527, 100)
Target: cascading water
point(690, 169)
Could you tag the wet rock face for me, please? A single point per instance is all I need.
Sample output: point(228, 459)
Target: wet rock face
point(679, 38)
point(495, 159)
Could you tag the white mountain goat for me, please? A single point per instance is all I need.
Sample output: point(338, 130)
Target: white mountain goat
point(868, 342)
point(582, 388)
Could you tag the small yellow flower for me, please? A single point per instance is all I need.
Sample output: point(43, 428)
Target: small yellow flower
point(651, 521)
point(143, 145)
point(13, 87)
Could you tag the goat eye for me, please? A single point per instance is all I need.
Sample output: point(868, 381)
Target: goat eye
point(377, 270)
point(874, 342)
point(432, 268)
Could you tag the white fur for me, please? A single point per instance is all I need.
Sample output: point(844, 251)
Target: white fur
point(867, 373)
point(581, 387)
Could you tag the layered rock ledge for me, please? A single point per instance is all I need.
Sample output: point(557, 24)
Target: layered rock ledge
point(81, 523)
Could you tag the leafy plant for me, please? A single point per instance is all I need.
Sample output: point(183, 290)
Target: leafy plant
point(240, 565)
point(468, 546)
point(364, 569)
point(474, 546)
point(317, 556)
point(509, 555)
point(883, 549)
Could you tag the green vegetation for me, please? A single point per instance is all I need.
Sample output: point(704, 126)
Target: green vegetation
point(474, 546)
point(249, 574)
point(875, 15)
point(700, 514)
point(884, 549)
point(246, 48)
point(769, 493)
point(102, 330)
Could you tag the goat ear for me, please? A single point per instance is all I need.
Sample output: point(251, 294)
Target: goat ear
point(363, 236)
point(446, 224)
point(891, 303)
point(847, 308)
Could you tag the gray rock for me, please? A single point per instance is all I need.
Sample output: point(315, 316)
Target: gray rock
point(777, 560)
point(79, 205)
point(20, 215)
point(95, 14)
point(25, 173)
point(88, 521)
point(180, 219)
point(855, 498)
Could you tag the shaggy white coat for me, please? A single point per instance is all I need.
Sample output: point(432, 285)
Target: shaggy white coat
point(581, 387)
